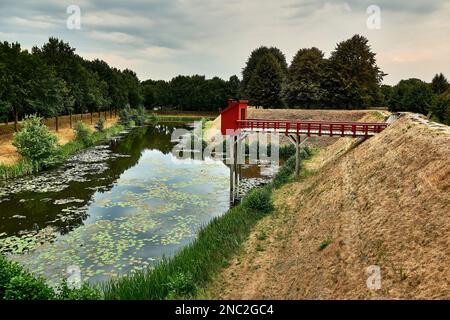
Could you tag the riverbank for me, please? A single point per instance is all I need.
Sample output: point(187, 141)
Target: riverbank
point(9, 154)
point(191, 269)
point(23, 167)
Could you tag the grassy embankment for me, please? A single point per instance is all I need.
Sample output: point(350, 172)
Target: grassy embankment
point(184, 275)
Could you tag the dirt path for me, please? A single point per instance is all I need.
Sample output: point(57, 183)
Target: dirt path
point(8, 153)
point(382, 203)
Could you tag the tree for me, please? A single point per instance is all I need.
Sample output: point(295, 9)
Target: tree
point(440, 108)
point(439, 84)
point(304, 82)
point(252, 64)
point(134, 90)
point(18, 72)
point(265, 85)
point(412, 95)
point(233, 86)
point(355, 76)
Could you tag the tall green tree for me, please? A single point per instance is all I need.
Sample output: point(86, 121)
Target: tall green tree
point(18, 79)
point(440, 107)
point(412, 95)
point(356, 78)
point(439, 84)
point(303, 86)
point(265, 85)
point(233, 87)
point(252, 63)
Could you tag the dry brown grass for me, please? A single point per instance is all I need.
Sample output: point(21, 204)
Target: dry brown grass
point(385, 202)
point(8, 153)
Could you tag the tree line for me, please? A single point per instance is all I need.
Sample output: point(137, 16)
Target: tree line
point(349, 79)
point(53, 80)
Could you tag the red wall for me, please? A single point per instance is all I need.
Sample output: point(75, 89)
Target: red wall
point(231, 114)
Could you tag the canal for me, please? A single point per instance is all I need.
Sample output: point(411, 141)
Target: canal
point(113, 208)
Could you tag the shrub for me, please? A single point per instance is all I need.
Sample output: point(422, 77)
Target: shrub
point(181, 284)
point(84, 293)
point(283, 175)
point(37, 143)
point(140, 116)
point(26, 287)
point(125, 115)
point(259, 200)
point(83, 134)
point(8, 270)
point(100, 125)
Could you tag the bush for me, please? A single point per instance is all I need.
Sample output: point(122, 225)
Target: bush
point(125, 115)
point(181, 284)
point(138, 116)
point(84, 293)
point(83, 134)
point(100, 125)
point(259, 200)
point(37, 143)
point(8, 270)
point(26, 287)
point(17, 284)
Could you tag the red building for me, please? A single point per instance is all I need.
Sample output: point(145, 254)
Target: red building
point(236, 110)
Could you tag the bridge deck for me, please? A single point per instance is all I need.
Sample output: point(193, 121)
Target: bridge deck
point(312, 128)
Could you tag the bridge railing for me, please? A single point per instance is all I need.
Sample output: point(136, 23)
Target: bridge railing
point(312, 127)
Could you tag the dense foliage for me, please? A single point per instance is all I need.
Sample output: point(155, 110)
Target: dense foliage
point(18, 284)
point(190, 93)
point(53, 80)
point(350, 78)
point(36, 143)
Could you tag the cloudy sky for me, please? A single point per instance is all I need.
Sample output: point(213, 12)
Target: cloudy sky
point(163, 38)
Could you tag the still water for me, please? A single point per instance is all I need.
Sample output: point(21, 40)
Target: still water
point(112, 209)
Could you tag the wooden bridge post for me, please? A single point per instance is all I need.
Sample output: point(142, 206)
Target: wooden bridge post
point(297, 156)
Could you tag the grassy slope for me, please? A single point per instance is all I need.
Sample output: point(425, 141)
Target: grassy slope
point(384, 202)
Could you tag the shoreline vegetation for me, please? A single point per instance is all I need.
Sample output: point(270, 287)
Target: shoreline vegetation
point(23, 167)
point(26, 167)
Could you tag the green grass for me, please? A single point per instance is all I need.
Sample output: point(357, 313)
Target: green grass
point(325, 243)
point(20, 168)
point(25, 167)
point(196, 264)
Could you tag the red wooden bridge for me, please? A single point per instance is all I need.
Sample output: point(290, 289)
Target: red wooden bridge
point(234, 122)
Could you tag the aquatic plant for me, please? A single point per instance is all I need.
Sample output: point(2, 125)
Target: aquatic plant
point(194, 265)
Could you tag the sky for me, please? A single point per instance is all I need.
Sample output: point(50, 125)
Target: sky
point(160, 39)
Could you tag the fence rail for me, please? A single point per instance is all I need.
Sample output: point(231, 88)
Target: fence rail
point(311, 127)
